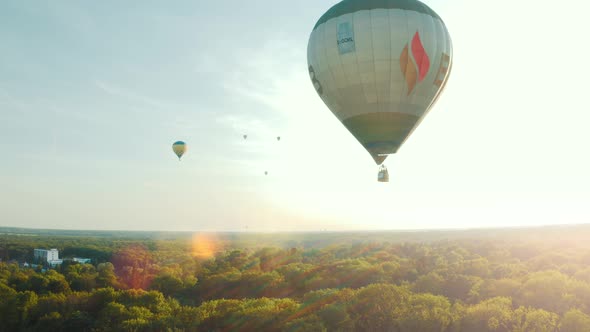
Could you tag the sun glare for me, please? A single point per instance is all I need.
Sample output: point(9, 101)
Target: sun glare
point(204, 245)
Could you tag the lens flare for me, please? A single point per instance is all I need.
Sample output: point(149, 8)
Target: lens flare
point(205, 245)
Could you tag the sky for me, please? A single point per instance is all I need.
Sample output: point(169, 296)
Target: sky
point(93, 94)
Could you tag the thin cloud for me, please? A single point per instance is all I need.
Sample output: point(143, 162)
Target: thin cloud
point(264, 76)
point(246, 125)
point(270, 86)
point(7, 99)
point(135, 97)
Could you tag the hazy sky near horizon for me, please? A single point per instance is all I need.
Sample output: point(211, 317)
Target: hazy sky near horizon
point(93, 94)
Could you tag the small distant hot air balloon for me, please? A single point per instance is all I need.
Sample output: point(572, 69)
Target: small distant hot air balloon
point(278, 138)
point(245, 136)
point(179, 148)
point(265, 172)
point(380, 66)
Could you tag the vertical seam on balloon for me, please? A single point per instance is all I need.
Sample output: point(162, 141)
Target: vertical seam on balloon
point(356, 57)
point(429, 24)
point(412, 59)
point(331, 73)
point(440, 49)
point(387, 101)
point(447, 38)
point(399, 105)
point(448, 74)
point(434, 56)
point(374, 61)
point(389, 12)
point(450, 47)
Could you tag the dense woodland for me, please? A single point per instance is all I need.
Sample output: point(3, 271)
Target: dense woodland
point(486, 280)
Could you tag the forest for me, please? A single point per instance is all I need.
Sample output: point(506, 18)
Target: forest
point(521, 279)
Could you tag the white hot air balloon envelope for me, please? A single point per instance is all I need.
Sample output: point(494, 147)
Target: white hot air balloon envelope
point(379, 66)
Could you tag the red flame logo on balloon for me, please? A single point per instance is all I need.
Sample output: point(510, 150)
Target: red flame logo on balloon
point(414, 71)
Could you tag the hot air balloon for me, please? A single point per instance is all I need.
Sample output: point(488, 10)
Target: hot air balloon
point(245, 136)
point(179, 148)
point(278, 138)
point(379, 66)
point(265, 172)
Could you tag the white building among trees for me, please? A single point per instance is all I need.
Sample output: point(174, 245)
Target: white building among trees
point(50, 256)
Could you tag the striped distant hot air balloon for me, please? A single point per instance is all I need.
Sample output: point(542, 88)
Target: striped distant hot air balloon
point(379, 66)
point(179, 148)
